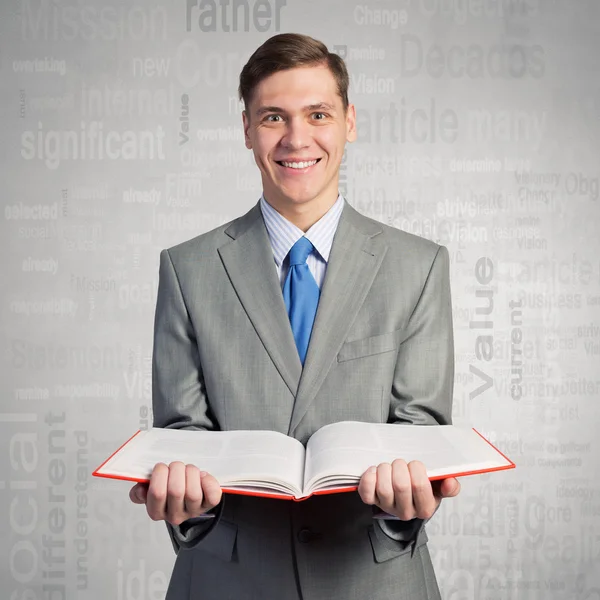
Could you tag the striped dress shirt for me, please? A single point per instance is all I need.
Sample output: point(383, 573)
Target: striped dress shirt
point(283, 235)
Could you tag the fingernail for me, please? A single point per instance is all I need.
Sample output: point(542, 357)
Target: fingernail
point(203, 473)
point(372, 470)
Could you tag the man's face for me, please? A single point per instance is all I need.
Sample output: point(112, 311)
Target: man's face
point(297, 116)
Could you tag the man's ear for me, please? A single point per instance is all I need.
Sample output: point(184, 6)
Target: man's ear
point(351, 123)
point(246, 123)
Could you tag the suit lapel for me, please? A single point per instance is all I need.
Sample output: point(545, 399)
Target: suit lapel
point(356, 255)
point(248, 260)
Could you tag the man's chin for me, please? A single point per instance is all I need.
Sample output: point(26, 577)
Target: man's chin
point(294, 198)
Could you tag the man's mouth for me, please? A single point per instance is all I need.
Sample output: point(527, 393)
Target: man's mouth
point(298, 165)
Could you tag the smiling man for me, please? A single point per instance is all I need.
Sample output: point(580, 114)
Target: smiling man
point(301, 313)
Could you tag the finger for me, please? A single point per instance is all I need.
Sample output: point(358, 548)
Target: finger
point(422, 493)
point(211, 490)
point(175, 509)
point(138, 493)
point(193, 491)
point(157, 492)
point(402, 491)
point(384, 490)
point(366, 486)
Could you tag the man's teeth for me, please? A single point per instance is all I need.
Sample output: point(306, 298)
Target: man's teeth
point(299, 165)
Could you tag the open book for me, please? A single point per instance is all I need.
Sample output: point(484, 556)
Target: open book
point(269, 463)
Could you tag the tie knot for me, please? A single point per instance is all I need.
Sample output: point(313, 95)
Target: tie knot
point(299, 251)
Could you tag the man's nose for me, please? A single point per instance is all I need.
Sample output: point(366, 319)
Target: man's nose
point(297, 134)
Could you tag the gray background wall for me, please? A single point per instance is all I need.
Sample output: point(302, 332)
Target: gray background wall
point(121, 135)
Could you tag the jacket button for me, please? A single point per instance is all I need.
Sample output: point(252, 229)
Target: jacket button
point(305, 535)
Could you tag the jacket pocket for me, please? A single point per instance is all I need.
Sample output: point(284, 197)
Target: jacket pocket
point(385, 548)
point(377, 344)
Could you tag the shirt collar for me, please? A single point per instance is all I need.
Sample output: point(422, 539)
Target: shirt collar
point(283, 234)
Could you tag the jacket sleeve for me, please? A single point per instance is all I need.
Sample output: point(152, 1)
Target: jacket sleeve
point(179, 399)
point(423, 384)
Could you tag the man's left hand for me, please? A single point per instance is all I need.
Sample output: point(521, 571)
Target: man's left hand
point(404, 490)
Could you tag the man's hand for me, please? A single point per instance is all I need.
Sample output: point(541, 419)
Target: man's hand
point(177, 493)
point(404, 490)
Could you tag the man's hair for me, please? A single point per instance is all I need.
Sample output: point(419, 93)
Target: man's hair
point(288, 51)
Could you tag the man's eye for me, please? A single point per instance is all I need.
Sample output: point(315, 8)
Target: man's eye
point(320, 113)
point(268, 117)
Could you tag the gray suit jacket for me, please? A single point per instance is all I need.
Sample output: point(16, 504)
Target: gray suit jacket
point(224, 358)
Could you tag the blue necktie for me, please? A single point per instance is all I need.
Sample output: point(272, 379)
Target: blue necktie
point(301, 295)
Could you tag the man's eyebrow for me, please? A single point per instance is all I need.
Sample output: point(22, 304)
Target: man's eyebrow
point(319, 106)
point(276, 109)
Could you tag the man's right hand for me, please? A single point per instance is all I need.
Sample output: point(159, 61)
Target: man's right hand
point(177, 492)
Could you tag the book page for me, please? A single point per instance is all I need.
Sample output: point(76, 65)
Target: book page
point(230, 456)
point(341, 452)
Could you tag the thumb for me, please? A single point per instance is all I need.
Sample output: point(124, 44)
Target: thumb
point(449, 487)
point(138, 493)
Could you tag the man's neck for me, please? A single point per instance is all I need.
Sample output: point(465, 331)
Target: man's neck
point(304, 216)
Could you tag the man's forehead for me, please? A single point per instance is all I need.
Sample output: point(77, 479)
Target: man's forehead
point(300, 73)
point(304, 78)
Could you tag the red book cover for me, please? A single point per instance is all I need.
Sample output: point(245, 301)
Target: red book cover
point(338, 490)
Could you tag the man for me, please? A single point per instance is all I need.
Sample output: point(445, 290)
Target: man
point(298, 314)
